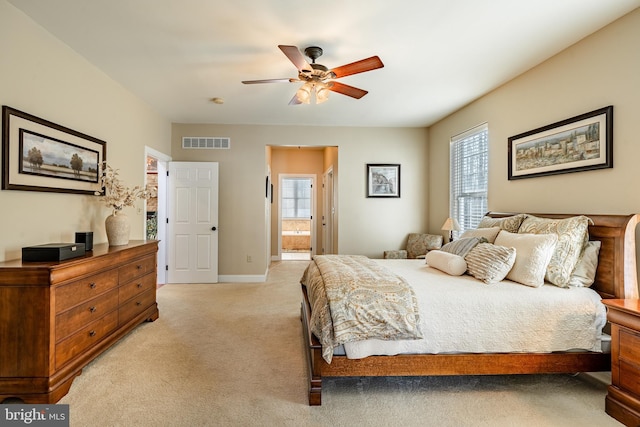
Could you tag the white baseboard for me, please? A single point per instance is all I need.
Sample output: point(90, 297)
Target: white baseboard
point(244, 278)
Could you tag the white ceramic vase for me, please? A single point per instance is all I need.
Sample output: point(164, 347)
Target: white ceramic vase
point(117, 226)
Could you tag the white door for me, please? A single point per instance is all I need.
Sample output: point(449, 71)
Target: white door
point(192, 224)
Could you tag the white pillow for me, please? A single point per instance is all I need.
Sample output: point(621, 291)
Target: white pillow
point(533, 253)
point(452, 264)
point(585, 272)
point(488, 233)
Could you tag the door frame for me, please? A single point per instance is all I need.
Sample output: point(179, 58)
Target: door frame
point(163, 242)
point(314, 179)
point(328, 211)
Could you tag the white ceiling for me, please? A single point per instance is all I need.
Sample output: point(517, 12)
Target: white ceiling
point(439, 55)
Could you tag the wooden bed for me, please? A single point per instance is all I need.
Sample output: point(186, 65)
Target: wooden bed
point(616, 277)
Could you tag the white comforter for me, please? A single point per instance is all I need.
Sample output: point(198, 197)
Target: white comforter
point(462, 314)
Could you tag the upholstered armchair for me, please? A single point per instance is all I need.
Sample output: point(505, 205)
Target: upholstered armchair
point(418, 244)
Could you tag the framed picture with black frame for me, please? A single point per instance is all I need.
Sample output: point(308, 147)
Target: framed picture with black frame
point(383, 180)
point(38, 155)
point(581, 143)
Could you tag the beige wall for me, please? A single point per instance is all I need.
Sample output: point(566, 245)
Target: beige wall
point(602, 69)
point(44, 77)
point(366, 226)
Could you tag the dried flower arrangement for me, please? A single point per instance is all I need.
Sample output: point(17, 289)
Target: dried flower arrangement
point(116, 194)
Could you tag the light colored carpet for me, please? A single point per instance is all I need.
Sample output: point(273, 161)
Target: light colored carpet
point(232, 355)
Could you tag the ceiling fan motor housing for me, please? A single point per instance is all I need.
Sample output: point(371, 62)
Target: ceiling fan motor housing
point(313, 52)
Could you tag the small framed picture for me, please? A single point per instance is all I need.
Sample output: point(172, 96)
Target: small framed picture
point(383, 180)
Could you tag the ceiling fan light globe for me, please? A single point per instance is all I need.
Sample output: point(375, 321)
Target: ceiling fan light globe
point(322, 94)
point(304, 94)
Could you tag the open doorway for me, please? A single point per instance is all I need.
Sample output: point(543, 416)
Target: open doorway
point(155, 214)
point(304, 161)
point(297, 206)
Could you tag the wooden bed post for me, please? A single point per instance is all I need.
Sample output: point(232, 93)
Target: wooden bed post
point(313, 352)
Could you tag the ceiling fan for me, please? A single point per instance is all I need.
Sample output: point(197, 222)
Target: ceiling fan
point(319, 80)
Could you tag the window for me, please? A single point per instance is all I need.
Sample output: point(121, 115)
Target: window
point(468, 180)
point(296, 198)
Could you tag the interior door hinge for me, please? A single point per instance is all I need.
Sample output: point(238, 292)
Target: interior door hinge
point(166, 267)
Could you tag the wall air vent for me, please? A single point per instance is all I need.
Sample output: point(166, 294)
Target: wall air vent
point(207, 143)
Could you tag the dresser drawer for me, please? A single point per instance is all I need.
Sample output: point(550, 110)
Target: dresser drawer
point(629, 349)
point(86, 337)
point(137, 268)
point(71, 320)
point(629, 378)
point(136, 305)
point(136, 286)
point(74, 293)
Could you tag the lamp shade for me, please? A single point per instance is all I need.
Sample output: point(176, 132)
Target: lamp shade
point(451, 224)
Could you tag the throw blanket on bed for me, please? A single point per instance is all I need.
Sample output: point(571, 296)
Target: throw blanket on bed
point(353, 299)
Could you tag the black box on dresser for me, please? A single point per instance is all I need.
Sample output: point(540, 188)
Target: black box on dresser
point(52, 252)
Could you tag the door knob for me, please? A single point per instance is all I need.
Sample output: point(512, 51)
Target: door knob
point(213, 228)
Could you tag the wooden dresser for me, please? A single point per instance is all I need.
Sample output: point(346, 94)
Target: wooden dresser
point(623, 397)
point(56, 317)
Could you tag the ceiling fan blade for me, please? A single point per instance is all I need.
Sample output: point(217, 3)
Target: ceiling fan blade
point(295, 100)
point(295, 56)
point(344, 89)
point(253, 82)
point(361, 66)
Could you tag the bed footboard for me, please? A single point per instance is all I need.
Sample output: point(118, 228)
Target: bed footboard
point(438, 364)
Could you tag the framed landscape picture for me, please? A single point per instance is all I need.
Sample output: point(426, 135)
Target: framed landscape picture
point(577, 144)
point(383, 180)
point(38, 155)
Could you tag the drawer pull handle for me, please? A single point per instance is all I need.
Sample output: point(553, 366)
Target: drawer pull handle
point(139, 267)
point(92, 285)
point(92, 333)
point(93, 309)
point(139, 285)
point(138, 303)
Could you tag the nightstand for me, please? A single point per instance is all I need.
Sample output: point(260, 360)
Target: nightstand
point(623, 397)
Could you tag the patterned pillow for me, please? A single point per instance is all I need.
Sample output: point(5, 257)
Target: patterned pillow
point(490, 263)
point(488, 233)
point(461, 247)
point(510, 223)
point(533, 253)
point(419, 244)
point(572, 235)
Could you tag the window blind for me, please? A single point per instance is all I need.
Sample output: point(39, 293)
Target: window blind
point(468, 180)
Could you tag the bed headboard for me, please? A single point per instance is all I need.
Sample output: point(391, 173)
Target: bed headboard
point(616, 276)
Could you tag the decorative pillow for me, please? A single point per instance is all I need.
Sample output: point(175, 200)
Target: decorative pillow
point(419, 244)
point(533, 253)
point(461, 247)
point(490, 263)
point(585, 272)
point(572, 236)
point(452, 264)
point(509, 223)
point(488, 233)
point(397, 254)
